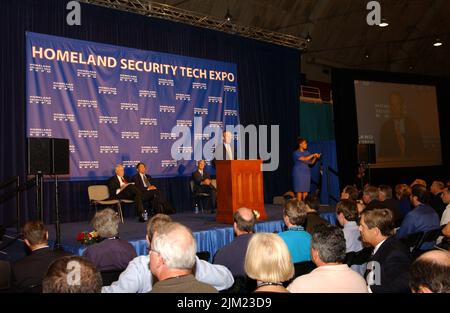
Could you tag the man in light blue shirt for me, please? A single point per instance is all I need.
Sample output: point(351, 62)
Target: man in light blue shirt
point(137, 277)
point(296, 238)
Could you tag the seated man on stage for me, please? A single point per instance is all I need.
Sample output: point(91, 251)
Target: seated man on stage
point(121, 187)
point(202, 184)
point(150, 193)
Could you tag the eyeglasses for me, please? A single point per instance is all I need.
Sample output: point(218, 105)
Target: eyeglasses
point(154, 251)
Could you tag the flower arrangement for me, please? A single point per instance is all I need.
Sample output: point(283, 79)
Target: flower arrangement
point(88, 238)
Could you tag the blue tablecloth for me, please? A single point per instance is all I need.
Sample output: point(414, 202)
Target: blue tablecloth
point(209, 240)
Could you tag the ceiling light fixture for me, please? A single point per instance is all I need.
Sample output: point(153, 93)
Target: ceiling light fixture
point(438, 43)
point(384, 23)
point(308, 38)
point(228, 16)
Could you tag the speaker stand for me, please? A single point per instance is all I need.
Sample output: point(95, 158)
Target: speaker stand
point(57, 222)
point(39, 196)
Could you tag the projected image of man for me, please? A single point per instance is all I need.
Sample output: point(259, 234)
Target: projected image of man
point(400, 136)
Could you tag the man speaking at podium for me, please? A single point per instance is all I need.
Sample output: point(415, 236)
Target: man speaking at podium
point(226, 149)
point(121, 187)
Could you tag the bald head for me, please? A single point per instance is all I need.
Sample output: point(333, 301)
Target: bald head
point(436, 256)
point(244, 221)
point(431, 273)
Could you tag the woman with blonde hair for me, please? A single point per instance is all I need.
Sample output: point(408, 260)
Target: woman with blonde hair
point(268, 261)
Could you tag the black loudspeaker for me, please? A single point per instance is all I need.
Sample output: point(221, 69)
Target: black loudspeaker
point(60, 156)
point(39, 155)
point(366, 154)
point(48, 156)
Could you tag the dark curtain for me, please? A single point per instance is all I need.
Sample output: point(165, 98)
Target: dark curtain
point(268, 78)
point(346, 127)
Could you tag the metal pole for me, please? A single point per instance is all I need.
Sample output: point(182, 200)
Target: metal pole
point(18, 204)
point(57, 226)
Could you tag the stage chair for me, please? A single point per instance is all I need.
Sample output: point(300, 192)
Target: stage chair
point(204, 255)
point(429, 236)
point(198, 197)
point(99, 195)
point(108, 277)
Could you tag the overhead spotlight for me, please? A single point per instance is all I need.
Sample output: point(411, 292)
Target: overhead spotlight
point(308, 38)
point(366, 55)
point(438, 43)
point(228, 16)
point(384, 23)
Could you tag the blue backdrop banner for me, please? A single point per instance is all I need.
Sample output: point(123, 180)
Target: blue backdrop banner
point(123, 105)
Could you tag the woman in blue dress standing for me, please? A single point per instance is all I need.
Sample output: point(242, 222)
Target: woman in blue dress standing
point(301, 173)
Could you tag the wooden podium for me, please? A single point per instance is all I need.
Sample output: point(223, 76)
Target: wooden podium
point(239, 184)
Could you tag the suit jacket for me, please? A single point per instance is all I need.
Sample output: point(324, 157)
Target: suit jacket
point(114, 184)
point(394, 259)
point(199, 178)
point(138, 181)
point(30, 270)
point(389, 146)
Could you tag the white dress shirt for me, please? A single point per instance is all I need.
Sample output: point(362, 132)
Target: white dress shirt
point(229, 151)
point(137, 277)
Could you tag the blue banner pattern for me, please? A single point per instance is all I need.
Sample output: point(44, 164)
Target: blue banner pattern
point(120, 105)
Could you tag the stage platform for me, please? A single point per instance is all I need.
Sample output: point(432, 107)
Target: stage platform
point(210, 235)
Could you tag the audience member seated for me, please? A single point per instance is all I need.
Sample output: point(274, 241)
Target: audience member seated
point(331, 274)
point(436, 189)
point(385, 197)
point(421, 219)
point(418, 181)
point(202, 184)
point(27, 273)
point(388, 270)
point(72, 274)
point(402, 193)
point(370, 197)
point(269, 262)
point(112, 253)
point(430, 273)
point(446, 199)
point(137, 277)
point(172, 261)
point(347, 215)
point(313, 218)
point(232, 255)
point(350, 192)
point(296, 238)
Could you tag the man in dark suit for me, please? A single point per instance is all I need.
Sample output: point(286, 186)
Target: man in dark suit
point(121, 187)
point(27, 274)
point(388, 269)
point(225, 150)
point(385, 197)
point(150, 193)
point(400, 135)
point(202, 184)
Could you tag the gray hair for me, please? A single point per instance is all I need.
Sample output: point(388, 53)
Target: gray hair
point(371, 191)
point(176, 245)
point(106, 223)
point(329, 241)
point(117, 166)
